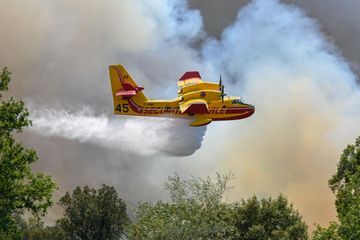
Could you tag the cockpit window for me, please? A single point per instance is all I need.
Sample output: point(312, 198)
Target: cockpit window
point(237, 101)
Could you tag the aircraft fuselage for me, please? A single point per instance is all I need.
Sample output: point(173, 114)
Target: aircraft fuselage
point(218, 110)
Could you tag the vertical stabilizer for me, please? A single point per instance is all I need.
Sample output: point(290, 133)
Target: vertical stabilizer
point(127, 95)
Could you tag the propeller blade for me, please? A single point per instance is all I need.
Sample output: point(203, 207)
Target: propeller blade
point(220, 83)
point(222, 92)
point(222, 89)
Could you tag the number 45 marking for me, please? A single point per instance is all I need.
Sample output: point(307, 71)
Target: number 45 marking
point(122, 107)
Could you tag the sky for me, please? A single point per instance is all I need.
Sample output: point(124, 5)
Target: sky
point(297, 63)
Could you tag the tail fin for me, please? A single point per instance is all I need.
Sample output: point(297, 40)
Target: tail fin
point(127, 95)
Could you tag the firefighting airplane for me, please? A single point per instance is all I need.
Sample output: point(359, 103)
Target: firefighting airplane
point(203, 101)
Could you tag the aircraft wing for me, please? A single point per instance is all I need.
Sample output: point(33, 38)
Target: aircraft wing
point(189, 78)
point(194, 106)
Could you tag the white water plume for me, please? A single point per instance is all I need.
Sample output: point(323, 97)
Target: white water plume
point(143, 136)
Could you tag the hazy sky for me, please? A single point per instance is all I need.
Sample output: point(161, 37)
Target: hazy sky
point(296, 63)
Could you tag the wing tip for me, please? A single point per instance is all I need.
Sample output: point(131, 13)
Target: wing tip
point(190, 74)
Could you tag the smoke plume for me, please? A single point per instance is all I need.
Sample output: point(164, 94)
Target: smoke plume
point(306, 100)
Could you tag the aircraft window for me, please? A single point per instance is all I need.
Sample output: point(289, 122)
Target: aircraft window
point(237, 101)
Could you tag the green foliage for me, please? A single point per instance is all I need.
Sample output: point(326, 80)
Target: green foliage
point(202, 191)
point(268, 219)
point(93, 214)
point(330, 233)
point(181, 221)
point(197, 211)
point(4, 80)
point(20, 189)
point(345, 183)
point(34, 229)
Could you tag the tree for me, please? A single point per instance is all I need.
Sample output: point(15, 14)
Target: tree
point(197, 210)
point(330, 233)
point(93, 214)
point(20, 189)
point(268, 219)
point(345, 183)
point(35, 229)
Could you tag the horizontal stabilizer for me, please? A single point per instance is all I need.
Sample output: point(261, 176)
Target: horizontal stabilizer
point(128, 91)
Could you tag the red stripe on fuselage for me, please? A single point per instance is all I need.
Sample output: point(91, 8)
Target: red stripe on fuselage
point(242, 112)
point(134, 106)
point(152, 110)
point(240, 116)
point(237, 110)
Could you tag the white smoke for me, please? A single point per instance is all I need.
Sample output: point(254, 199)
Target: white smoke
point(307, 105)
point(140, 136)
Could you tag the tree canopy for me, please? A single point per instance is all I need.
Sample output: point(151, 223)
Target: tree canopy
point(330, 233)
point(268, 219)
point(197, 210)
point(20, 189)
point(93, 214)
point(345, 183)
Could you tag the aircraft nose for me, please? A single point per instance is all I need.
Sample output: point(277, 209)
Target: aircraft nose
point(252, 109)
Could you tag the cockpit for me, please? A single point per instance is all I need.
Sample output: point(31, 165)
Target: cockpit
point(237, 101)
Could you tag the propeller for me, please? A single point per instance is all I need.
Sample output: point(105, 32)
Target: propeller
point(222, 89)
point(220, 83)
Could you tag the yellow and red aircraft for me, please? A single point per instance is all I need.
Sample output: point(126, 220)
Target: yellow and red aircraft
point(203, 101)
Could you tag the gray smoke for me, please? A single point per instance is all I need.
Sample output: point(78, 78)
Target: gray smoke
point(306, 100)
point(339, 20)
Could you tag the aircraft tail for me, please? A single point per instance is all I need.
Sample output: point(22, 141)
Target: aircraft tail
point(127, 95)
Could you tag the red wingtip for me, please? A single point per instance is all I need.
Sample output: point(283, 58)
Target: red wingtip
point(188, 75)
